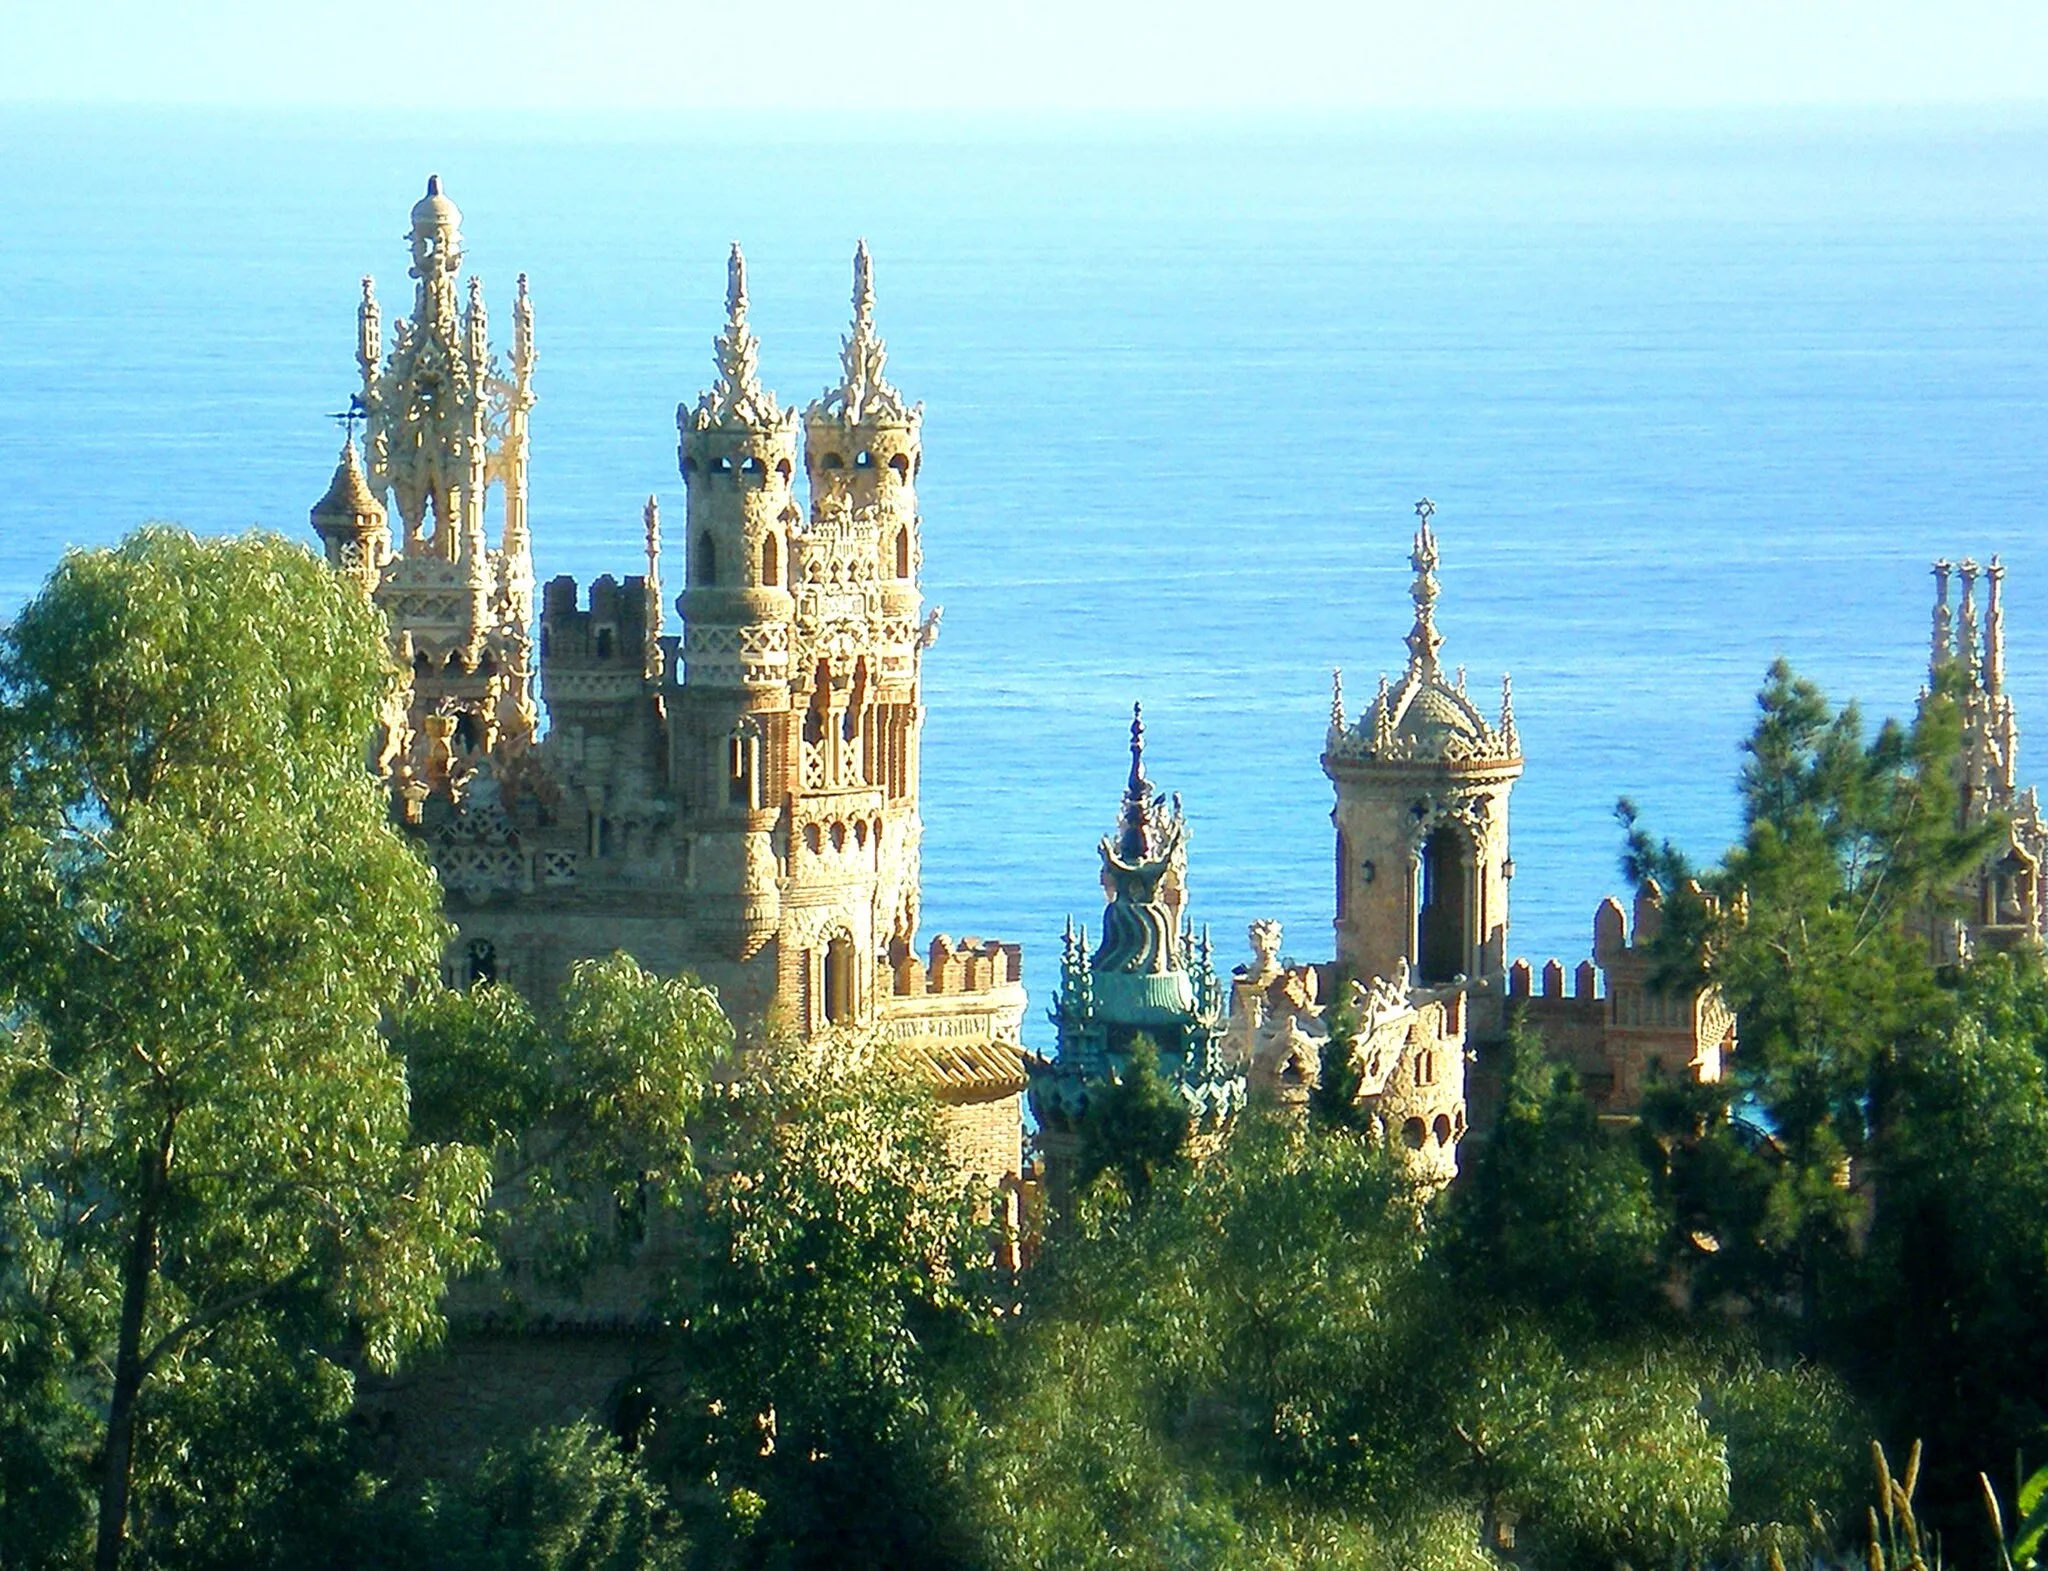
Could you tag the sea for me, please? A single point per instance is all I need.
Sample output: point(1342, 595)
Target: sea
point(1689, 392)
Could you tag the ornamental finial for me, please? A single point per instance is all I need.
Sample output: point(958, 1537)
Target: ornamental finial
point(1337, 723)
point(736, 395)
point(1994, 629)
point(863, 390)
point(1966, 616)
point(1134, 839)
point(1423, 639)
point(1507, 709)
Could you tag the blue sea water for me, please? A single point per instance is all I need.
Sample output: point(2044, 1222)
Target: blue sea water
point(1689, 393)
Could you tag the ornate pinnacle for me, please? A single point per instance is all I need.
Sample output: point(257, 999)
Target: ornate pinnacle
point(1383, 717)
point(522, 336)
point(736, 394)
point(1134, 838)
point(369, 332)
point(1966, 631)
point(1994, 629)
point(1423, 639)
point(652, 661)
point(862, 389)
point(1507, 709)
point(1337, 725)
point(1944, 638)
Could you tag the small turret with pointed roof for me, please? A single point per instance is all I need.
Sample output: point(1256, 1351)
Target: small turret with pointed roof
point(736, 397)
point(351, 522)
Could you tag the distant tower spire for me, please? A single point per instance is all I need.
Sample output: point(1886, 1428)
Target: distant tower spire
point(1944, 633)
point(1424, 640)
point(736, 393)
point(650, 516)
point(1966, 633)
point(1134, 840)
point(1994, 629)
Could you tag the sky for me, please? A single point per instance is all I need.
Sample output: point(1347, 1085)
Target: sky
point(1035, 58)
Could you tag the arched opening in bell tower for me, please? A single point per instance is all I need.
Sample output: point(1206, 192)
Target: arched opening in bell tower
point(1442, 921)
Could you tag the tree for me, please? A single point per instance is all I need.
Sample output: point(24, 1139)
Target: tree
point(204, 914)
point(1134, 1126)
point(846, 1268)
point(1816, 933)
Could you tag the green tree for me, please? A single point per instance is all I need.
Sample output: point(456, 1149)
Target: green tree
point(1135, 1126)
point(204, 915)
point(846, 1268)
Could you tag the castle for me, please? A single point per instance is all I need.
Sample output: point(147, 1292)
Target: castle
point(738, 798)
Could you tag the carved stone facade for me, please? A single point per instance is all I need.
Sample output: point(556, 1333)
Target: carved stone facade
point(737, 799)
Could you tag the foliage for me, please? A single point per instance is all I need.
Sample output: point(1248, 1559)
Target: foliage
point(203, 915)
point(562, 1499)
point(1135, 1126)
point(1557, 1216)
point(845, 1265)
point(586, 1111)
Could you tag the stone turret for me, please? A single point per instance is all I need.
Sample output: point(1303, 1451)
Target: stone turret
point(1422, 782)
point(732, 746)
point(351, 523)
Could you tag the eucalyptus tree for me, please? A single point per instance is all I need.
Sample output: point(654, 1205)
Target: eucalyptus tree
point(205, 916)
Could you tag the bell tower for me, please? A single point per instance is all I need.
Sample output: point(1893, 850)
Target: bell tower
point(1422, 782)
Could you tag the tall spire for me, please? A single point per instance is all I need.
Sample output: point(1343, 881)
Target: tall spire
point(1966, 631)
point(652, 661)
point(736, 396)
point(1994, 629)
point(1424, 640)
point(1134, 838)
point(863, 391)
point(1337, 721)
point(1943, 649)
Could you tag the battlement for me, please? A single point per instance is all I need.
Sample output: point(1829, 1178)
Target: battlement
point(611, 629)
point(970, 966)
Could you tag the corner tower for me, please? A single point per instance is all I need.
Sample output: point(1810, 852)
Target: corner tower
point(1422, 782)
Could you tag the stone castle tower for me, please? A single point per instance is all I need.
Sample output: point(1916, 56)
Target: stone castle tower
point(1422, 782)
point(738, 799)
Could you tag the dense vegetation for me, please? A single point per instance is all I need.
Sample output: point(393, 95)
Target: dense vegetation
point(248, 1140)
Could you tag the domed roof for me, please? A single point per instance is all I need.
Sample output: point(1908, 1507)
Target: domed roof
point(1430, 714)
point(434, 210)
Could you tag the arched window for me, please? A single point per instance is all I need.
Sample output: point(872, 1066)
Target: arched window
point(1441, 1128)
point(604, 643)
point(903, 553)
point(707, 559)
point(771, 561)
point(1442, 936)
point(752, 467)
point(1413, 1134)
point(839, 980)
point(902, 467)
point(743, 786)
point(482, 962)
point(863, 459)
point(782, 468)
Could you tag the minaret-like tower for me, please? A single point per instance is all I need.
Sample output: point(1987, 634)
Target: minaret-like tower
point(1151, 976)
point(733, 757)
point(1422, 782)
point(446, 426)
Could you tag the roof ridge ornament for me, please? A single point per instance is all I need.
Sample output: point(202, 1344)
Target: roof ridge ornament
point(736, 396)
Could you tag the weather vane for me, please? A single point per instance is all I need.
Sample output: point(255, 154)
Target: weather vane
point(349, 416)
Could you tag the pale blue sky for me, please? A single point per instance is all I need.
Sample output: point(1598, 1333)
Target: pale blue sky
point(1039, 55)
